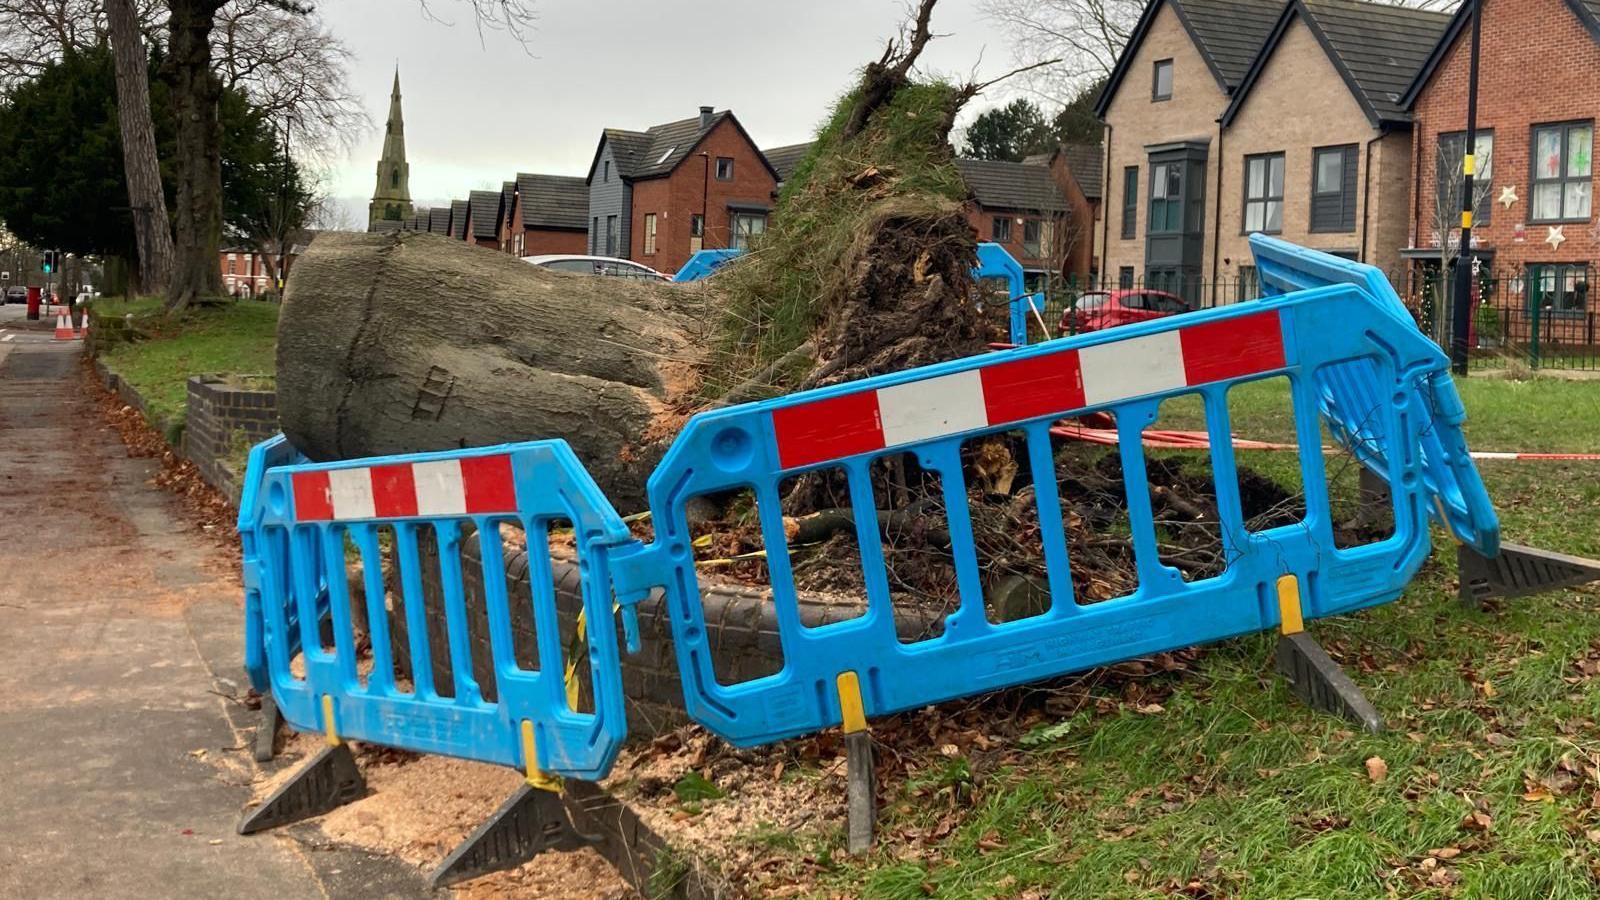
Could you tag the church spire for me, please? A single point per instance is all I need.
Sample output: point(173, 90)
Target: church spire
point(392, 198)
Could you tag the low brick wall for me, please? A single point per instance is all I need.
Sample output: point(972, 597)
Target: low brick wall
point(222, 411)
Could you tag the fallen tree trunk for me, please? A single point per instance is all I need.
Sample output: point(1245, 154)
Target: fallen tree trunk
point(405, 342)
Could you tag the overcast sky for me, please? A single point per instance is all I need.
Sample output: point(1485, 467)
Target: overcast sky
point(479, 110)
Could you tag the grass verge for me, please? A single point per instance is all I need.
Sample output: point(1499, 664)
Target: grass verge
point(236, 338)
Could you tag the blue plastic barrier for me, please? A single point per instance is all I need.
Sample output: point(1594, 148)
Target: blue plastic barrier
point(703, 263)
point(1352, 393)
point(298, 517)
point(300, 521)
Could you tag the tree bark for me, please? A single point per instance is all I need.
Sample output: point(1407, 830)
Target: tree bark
point(198, 214)
point(148, 203)
point(406, 342)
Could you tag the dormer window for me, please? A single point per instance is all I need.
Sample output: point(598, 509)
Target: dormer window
point(1161, 88)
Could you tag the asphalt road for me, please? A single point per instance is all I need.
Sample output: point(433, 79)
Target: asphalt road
point(123, 762)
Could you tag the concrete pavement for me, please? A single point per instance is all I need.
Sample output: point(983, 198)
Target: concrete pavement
point(123, 762)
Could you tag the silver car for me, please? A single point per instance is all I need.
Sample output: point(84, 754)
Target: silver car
point(595, 265)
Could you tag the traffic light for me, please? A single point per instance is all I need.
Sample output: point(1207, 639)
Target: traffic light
point(49, 261)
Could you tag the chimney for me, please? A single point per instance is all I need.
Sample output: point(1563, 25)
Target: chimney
point(706, 113)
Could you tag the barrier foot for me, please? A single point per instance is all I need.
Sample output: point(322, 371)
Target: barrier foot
point(1519, 571)
point(1319, 681)
point(329, 780)
point(863, 791)
point(267, 731)
point(532, 821)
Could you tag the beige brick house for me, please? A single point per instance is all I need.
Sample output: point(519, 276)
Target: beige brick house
point(1225, 119)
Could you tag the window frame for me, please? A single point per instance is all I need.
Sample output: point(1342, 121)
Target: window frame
point(1266, 200)
point(716, 169)
point(613, 233)
point(1349, 155)
point(740, 238)
point(1126, 275)
point(1035, 247)
point(1559, 271)
point(1155, 80)
point(1000, 229)
point(1168, 200)
point(605, 170)
point(1130, 202)
point(1484, 216)
point(649, 234)
point(1534, 181)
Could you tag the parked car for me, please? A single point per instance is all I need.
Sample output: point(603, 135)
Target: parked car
point(594, 265)
point(16, 294)
point(1099, 310)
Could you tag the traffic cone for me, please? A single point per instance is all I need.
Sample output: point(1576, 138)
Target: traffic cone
point(64, 328)
point(83, 328)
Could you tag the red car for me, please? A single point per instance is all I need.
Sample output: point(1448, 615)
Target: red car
point(1098, 310)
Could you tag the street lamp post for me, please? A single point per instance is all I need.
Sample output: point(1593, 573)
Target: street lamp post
point(1462, 309)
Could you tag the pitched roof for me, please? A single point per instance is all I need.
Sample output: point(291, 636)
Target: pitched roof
point(508, 193)
point(1227, 34)
point(1376, 49)
point(485, 213)
point(660, 148)
point(1086, 162)
point(553, 201)
point(998, 184)
point(784, 159)
point(1587, 11)
point(439, 220)
point(458, 219)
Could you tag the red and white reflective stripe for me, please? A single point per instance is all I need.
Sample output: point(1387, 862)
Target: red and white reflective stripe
point(474, 485)
point(1017, 390)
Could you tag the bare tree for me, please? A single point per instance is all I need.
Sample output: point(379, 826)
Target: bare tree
point(1445, 218)
point(293, 69)
point(147, 200)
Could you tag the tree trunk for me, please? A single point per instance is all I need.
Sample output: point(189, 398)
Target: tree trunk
point(406, 342)
point(148, 203)
point(195, 92)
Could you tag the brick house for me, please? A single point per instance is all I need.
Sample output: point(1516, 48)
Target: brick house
point(1539, 97)
point(483, 219)
point(1225, 119)
point(1020, 207)
point(458, 219)
point(549, 214)
point(658, 195)
point(1078, 171)
point(248, 272)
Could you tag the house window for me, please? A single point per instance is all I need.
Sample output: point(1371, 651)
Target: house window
point(605, 170)
point(1032, 232)
point(611, 235)
point(1130, 202)
point(1125, 278)
point(233, 263)
point(1333, 189)
point(1558, 288)
point(697, 232)
point(1161, 84)
point(520, 242)
point(1563, 170)
point(1263, 193)
point(1450, 169)
point(1000, 230)
point(1166, 198)
point(745, 228)
point(724, 168)
point(1249, 284)
point(649, 234)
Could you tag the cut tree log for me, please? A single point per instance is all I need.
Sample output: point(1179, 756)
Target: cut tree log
point(406, 342)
